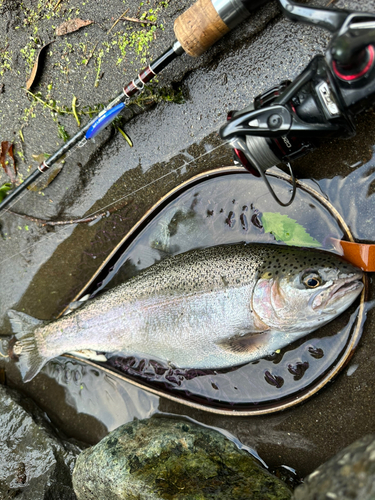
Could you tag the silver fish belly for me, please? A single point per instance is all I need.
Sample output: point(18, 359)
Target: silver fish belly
point(210, 308)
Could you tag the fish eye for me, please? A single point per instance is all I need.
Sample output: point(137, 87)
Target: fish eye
point(312, 280)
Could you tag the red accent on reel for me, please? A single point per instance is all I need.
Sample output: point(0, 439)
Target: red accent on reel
point(355, 76)
point(245, 162)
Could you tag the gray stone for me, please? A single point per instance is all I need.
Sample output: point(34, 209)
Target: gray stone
point(35, 464)
point(171, 458)
point(349, 475)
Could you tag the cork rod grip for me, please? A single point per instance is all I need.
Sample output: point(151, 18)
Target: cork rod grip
point(199, 27)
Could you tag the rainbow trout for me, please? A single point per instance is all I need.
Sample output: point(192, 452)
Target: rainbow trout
point(209, 308)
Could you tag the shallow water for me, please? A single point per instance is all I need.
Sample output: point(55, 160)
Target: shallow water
point(46, 268)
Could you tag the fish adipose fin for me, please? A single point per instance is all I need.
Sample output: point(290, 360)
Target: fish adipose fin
point(23, 348)
point(252, 342)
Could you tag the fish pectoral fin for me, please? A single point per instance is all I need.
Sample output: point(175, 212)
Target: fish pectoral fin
point(76, 304)
point(89, 354)
point(247, 343)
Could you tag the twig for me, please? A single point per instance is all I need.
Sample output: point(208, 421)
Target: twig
point(44, 222)
point(58, 3)
point(92, 53)
point(48, 106)
point(329, 3)
point(133, 20)
point(114, 24)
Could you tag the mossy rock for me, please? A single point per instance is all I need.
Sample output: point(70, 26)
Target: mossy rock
point(171, 458)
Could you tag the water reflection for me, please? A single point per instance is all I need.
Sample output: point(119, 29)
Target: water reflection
point(353, 196)
point(112, 401)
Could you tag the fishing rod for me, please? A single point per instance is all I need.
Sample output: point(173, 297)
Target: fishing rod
point(288, 120)
point(197, 29)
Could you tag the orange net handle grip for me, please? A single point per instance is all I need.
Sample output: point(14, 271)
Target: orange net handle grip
point(361, 255)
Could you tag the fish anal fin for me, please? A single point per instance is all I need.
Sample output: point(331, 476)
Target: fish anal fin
point(247, 343)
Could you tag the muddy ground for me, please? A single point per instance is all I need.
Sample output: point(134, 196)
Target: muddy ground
point(43, 267)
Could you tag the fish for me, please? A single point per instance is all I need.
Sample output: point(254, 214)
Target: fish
point(209, 308)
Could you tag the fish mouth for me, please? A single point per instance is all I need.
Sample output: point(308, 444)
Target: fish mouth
point(351, 285)
point(345, 286)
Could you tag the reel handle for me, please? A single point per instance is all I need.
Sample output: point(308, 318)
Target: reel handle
point(353, 31)
point(206, 21)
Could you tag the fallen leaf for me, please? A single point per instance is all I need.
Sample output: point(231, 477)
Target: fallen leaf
point(41, 157)
point(34, 71)
point(4, 189)
point(46, 179)
point(72, 25)
point(7, 148)
point(287, 230)
point(126, 137)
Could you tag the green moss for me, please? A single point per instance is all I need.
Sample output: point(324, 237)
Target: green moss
point(38, 11)
point(170, 459)
point(29, 52)
point(205, 474)
point(5, 59)
point(140, 39)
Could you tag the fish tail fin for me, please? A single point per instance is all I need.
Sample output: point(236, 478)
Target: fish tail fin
point(23, 347)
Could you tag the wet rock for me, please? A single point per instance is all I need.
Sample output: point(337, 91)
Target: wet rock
point(170, 458)
point(348, 475)
point(35, 464)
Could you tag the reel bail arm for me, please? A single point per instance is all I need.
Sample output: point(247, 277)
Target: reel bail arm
point(288, 120)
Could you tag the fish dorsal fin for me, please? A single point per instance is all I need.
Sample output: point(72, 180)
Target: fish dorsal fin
point(247, 343)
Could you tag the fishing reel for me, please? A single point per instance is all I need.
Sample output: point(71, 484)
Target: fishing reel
point(288, 120)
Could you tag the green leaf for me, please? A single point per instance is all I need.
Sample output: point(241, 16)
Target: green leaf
point(4, 189)
point(287, 230)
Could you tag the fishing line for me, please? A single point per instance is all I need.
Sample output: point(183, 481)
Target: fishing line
point(57, 232)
